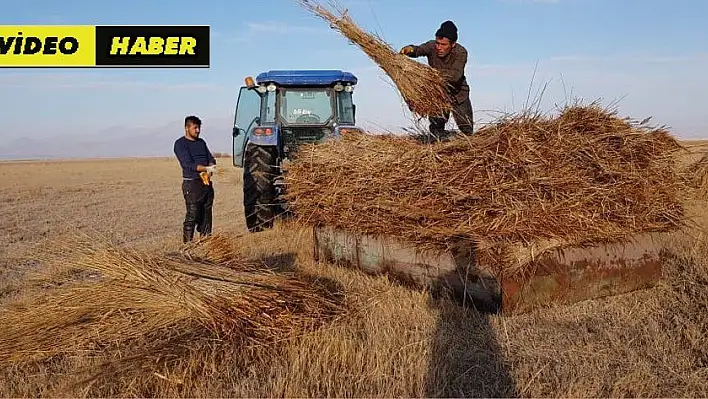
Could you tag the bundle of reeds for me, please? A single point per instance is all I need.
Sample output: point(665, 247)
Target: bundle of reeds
point(138, 312)
point(423, 89)
point(528, 180)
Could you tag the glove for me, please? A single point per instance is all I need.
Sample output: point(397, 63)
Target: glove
point(211, 169)
point(205, 178)
point(406, 50)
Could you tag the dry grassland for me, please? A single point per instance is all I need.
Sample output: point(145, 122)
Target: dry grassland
point(395, 342)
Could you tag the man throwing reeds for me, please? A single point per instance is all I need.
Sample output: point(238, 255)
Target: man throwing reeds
point(198, 165)
point(449, 58)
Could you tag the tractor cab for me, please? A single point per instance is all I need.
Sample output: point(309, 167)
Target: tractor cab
point(285, 108)
point(275, 114)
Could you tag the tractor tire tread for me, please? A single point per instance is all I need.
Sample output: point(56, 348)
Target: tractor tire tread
point(259, 193)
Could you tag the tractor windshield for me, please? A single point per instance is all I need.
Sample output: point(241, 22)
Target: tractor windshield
point(306, 106)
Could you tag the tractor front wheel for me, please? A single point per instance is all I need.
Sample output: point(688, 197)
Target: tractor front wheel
point(259, 193)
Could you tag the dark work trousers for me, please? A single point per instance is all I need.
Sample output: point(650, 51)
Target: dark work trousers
point(199, 200)
point(462, 112)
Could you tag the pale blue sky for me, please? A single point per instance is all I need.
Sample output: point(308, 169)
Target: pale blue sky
point(650, 55)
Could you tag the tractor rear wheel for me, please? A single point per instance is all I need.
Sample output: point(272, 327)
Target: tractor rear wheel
point(259, 193)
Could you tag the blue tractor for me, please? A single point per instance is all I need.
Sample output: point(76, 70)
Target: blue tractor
point(275, 114)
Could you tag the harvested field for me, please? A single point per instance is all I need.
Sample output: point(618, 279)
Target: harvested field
point(699, 177)
point(392, 341)
point(527, 181)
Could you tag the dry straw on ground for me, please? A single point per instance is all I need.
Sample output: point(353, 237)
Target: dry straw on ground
point(137, 314)
point(698, 176)
point(422, 87)
point(584, 176)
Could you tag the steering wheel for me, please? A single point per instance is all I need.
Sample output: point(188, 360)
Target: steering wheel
point(308, 118)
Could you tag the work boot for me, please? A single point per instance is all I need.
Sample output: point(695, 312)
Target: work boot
point(187, 234)
point(190, 222)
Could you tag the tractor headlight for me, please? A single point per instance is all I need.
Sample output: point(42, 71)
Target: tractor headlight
point(349, 88)
point(271, 87)
point(338, 87)
point(261, 89)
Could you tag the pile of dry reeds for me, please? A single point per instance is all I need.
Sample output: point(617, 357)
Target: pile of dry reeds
point(423, 89)
point(526, 182)
point(139, 316)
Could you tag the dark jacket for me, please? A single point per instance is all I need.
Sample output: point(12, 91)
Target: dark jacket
point(452, 67)
point(192, 153)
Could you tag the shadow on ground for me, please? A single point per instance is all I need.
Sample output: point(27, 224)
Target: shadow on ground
point(280, 263)
point(466, 359)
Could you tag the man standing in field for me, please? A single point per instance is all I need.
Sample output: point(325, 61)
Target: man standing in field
point(198, 165)
point(450, 58)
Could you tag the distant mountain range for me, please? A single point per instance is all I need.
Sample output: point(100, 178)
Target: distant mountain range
point(114, 142)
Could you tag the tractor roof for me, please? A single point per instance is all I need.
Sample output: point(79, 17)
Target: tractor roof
point(308, 77)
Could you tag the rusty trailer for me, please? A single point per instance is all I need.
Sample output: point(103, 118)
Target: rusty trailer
point(560, 276)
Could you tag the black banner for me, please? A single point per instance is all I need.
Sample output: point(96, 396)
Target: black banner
point(152, 46)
